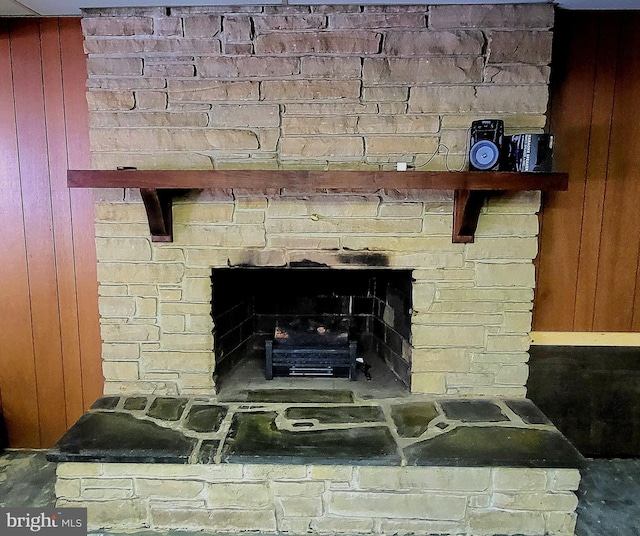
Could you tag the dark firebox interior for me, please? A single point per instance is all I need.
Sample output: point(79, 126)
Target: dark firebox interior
point(375, 304)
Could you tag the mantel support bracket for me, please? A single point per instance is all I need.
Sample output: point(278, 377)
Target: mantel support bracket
point(158, 203)
point(466, 211)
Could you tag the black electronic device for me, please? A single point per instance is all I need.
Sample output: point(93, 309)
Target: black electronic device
point(528, 153)
point(486, 145)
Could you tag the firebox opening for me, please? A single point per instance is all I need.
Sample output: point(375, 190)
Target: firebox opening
point(373, 305)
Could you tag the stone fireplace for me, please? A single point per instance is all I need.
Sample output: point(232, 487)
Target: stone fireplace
point(321, 87)
point(358, 88)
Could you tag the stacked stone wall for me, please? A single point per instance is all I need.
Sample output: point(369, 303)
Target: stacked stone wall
point(322, 499)
point(313, 87)
point(310, 86)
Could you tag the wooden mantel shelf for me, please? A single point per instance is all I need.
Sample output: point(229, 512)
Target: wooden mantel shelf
point(470, 188)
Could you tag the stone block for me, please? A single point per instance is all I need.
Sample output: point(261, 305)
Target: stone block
point(298, 489)
point(121, 272)
point(324, 206)
point(343, 225)
point(512, 375)
point(316, 109)
point(237, 28)
point(496, 522)
point(403, 506)
point(454, 479)
point(67, 488)
point(441, 99)
point(424, 43)
point(117, 26)
point(99, 66)
point(300, 506)
point(172, 139)
point(121, 513)
point(274, 472)
point(120, 213)
point(301, 90)
point(410, 19)
point(511, 99)
point(492, 16)
point(120, 351)
point(106, 494)
point(182, 361)
point(168, 26)
point(440, 360)
point(433, 70)
point(520, 47)
point(356, 42)
point(157, 100)
point(334, 473)
point(211, 91)
point(187, 341)
point(337, 525)
point(505, 275)
point(245, 236)
point(247, 67)
point(444, 336)
point(120, 370)
point(399, 145)
point(429, 383)
point(243, 495)
point(400, 124)
point(559, 502)
point(508, 343)
point(222, 520)
point(524, 225)
point(190, 213)
point(201, 25)
point(502, 248)
point(118, 306)
point(129, 332)
point(562, 524)
point(518, 479)
point(324, 147)
point(400, 210)
point(332, 68)
point(292, 126)
point(563, 479)
point(303, 21)
point(137, 45)
point(517, 75)
point(168, 489)
point(110, 100)
point(245, 115)
point(386, 94)
point(123, 249)
point(78, 469)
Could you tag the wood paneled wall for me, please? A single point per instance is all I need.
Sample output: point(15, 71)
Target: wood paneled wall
point(590, 239)
point(50, 366)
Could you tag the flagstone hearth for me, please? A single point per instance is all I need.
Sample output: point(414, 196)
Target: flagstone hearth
point(325, 461)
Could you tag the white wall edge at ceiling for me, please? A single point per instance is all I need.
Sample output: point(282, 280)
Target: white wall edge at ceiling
point(73, 7)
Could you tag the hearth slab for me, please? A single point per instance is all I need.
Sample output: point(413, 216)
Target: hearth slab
point(120, 437)
point(255, 437)
point(323, 428)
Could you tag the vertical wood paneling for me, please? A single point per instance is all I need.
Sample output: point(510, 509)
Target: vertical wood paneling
point(590, 239)
point(617, 271)
point(38, 226)
point(48, 352)
point(79, 157)
point(17, 370)
point(606, 37)
point(561, 217)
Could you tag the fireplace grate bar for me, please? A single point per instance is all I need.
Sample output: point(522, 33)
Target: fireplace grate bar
point(310, 371)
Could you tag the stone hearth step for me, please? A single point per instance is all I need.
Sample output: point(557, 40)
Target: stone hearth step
point(320, 461)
